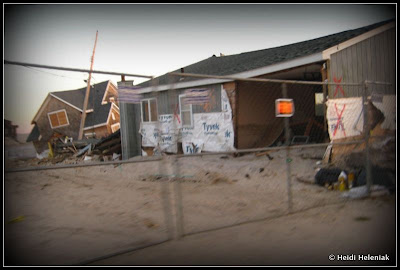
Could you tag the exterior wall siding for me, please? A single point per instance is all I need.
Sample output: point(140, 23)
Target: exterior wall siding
point(72, 130)
point(129, 125)
point(372, 59)
point(167, 101)
point(102, 131)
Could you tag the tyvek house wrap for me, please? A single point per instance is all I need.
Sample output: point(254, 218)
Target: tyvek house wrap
point(345, 117)
point(211, 132)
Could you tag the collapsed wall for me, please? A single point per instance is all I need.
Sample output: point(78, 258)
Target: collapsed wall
point(346, 124)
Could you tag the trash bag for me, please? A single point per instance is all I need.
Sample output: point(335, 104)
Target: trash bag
point(380, 176)
point(329, 176)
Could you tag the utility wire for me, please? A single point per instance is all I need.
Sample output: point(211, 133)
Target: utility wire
point(49, 73)
point(76, 69)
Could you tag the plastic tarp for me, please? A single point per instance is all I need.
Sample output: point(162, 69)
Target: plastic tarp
point(387, 105)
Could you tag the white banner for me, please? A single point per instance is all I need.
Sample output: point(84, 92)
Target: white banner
point(345, 117)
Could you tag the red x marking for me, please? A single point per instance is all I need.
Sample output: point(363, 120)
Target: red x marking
point(339, 121)
point(338, 87)
point(176, 114)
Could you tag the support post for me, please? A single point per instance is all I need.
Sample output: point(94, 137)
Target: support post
point(174, 95)
point(85, 102)
point(288, 159)
point(367, 135)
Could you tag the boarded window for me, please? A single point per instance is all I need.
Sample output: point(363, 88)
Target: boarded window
point(58, 119)
point(149, 110)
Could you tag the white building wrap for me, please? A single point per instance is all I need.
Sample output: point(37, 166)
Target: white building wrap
point(211, 132)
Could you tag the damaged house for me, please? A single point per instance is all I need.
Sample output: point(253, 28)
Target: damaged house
point(60, 115)
point(180, 114)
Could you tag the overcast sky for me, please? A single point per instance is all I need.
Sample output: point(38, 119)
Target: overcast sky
point(149, 40)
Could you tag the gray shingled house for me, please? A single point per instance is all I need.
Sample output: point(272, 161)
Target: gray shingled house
point(60, 114)
point(366, 53)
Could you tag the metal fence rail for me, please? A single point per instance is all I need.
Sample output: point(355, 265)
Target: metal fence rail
point(252, 188)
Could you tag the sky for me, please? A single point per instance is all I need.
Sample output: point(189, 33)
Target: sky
point(149, 39)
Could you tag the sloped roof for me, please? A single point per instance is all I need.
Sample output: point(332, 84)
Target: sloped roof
point(77, 97)
point(233, 64)
point(98, 116)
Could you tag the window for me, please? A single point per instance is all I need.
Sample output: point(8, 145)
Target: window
point(186, 112)
point(319, 104)
point(149, 110)
point(58, 119)
point(90, 135)
point(114, 127)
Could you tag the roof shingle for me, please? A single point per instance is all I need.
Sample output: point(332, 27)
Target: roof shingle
point(76, 98)
point(232, 64)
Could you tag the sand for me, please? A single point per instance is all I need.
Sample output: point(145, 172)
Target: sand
point(72, 216)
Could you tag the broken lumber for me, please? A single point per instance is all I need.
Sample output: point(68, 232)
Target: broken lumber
point(108, 144)
point(114, 149)
point(83, 151)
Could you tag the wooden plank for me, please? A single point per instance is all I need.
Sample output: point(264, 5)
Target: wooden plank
point(354, 60)
point(73, 145)
point(392, 58)
point(369, 58)
point(109, 143)
point(364, 60)
point(350, 77)
point(381, 59)
point(72, 150)
point(343, 71)
point(386, 60)
point(332, 75)
point(114, 149)
point(84, 150)
point(359, 65)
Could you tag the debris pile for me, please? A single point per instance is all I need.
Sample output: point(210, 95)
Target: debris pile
point(351, 158)
point(109, 148)
point(66, 150)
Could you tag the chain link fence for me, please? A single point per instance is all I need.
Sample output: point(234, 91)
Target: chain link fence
point(192, 167)
point(287, 165)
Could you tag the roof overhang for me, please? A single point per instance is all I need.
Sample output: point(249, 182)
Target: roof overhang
point(300, 61)
point(39, 112)
point(326, 54)
point(113, 106)
point(305, 60)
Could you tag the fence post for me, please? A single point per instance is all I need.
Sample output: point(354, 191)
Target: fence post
point(167, 207)
point(165, 185)
point(178, 200)
point(179, 231)
point(288, 160)
point(367, 131)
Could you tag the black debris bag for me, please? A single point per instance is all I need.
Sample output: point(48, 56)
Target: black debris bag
point(380, 176)
point(329, 176)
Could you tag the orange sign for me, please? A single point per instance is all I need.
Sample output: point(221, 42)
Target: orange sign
point(284, 107)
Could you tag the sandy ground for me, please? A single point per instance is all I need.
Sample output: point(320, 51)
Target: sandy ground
point(71, 216)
